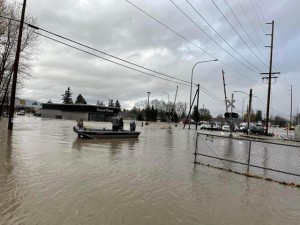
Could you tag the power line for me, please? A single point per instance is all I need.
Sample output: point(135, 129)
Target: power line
point(213, 28)
point(247, 34)
point(108, 59)
point(123, 60)
point(255, 30)
point(192, 43)
point(57, 35)
point(203, 89)
point(256, 6)
point(217, 42)
point(234, 29)
point(38, 28)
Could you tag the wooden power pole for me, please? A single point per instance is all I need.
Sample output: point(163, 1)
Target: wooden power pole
point(269, 78)
point(16, 66)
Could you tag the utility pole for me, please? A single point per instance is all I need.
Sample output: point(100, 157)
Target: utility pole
point(291, 113)
point(249, 111)
point(269, 78)
point(297, 117)
point(197, 110)
point(16, 66)
point(223, 73)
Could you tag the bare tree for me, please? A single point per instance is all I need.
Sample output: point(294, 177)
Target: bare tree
point(9, 27)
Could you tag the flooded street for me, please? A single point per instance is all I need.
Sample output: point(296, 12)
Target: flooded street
point(49, 176)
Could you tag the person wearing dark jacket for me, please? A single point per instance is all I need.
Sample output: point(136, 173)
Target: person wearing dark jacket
point(115, 123)
point(121, 124)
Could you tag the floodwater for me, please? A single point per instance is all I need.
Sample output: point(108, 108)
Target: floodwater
point(49, 176)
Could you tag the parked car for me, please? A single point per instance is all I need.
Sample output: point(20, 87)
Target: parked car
point(226, 127)
point(205, 126)
point(257, 130)
point(243, 127)
point(217, 127)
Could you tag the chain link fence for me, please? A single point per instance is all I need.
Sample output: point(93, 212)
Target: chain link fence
point(258, 158)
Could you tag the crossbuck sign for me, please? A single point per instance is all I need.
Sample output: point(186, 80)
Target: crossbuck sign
point(230, 103)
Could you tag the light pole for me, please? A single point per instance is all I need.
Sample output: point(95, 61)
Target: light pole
point(148, 98)
point(168, 105)
point(192, 84)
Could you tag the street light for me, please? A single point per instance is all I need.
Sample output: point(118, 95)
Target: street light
point(243, 105)
point(168, 105)
point(148, 98)
point(192, 83)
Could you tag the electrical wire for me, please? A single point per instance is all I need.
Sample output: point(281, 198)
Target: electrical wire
point(71, 46)
point(247, 34)
point(38, 28)
point(234, 29)
point(257, 70)
point(184, 38)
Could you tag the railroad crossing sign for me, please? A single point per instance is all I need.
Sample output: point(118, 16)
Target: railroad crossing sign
point(230, 104)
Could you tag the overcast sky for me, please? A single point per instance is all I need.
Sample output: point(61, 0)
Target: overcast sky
point(169, 43)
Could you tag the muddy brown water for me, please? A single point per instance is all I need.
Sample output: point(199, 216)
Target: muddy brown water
point(49, 176)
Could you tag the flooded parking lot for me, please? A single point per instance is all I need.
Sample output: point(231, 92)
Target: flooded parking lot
point(49, 176)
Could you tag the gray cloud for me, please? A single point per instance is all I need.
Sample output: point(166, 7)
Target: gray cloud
point(119, 29)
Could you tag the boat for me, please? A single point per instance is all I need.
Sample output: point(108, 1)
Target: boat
point(104, 133)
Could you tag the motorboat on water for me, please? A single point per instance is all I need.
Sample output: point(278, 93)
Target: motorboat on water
point(104, 133)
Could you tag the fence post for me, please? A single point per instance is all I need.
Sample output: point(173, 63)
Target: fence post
point(249, 154)
point(196, 148)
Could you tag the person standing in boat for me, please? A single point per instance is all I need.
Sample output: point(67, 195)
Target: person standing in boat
point(121, 123)
point(80, 124)
point(115, 123)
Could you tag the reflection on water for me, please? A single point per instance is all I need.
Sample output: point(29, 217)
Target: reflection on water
point(49, 176)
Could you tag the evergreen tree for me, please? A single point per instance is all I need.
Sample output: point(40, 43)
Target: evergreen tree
point(50, 101)
point(80, 100)
point(153, 114)
point(258, 115)
point(148, 113)
point(117, 104)
point(67, 97)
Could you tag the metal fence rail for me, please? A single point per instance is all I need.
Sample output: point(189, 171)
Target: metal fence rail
point(272, 161)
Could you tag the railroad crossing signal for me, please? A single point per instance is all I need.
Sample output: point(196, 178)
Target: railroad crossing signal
point(231, 115)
